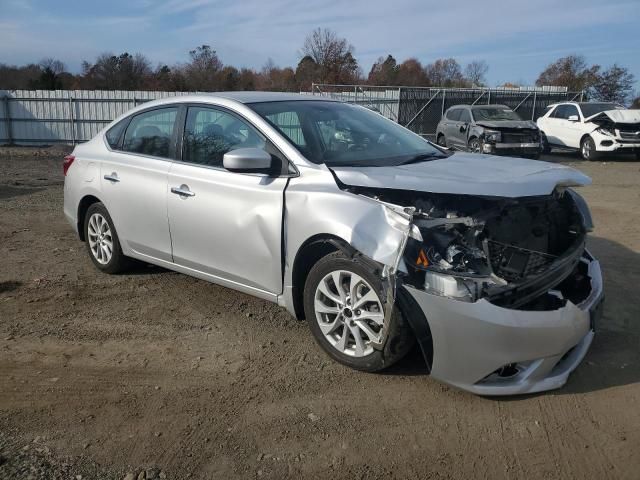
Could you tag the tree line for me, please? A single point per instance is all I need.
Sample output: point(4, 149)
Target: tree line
point(325, 57)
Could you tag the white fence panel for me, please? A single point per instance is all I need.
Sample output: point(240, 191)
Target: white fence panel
point(36, 117)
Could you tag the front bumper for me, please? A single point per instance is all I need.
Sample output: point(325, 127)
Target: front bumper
point(512, 148)
point(471, 341)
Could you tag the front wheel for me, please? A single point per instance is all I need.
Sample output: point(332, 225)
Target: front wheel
point(343, 303)
point(588, 149)
point(475, 145)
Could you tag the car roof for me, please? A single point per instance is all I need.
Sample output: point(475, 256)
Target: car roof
point(472, 107)
point(254, 97)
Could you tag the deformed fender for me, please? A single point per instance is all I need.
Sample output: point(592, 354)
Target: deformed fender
point(316, 206)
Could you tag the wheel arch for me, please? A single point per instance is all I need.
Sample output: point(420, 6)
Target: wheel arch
point(83, 207)
point(309, 253)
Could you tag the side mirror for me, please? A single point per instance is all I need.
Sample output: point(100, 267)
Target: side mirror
point(573, 118)
point(247, 160)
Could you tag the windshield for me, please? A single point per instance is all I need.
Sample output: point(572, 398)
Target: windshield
point(340, 134)
point(589, 109)
point(494, 114)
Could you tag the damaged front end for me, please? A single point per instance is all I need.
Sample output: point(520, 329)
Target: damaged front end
point(499, 269)
point(511, 141)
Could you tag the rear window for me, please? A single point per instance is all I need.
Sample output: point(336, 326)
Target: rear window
point(150, 132)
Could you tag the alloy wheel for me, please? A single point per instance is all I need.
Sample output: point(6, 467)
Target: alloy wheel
point(100, 238)
point(349, 313)
point(586, 149)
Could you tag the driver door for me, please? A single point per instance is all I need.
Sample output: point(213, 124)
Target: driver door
point(225, 225)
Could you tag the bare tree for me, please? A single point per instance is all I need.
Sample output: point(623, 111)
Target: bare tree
point(445, 72)
point(572, 72)
point(614, 85)
point(475, 72)
point(384, 71)
point(200, 72)
point(117, 72)
point(333, 55)
point(411, 73)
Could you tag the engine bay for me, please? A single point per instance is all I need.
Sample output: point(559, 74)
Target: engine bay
point(473, 247)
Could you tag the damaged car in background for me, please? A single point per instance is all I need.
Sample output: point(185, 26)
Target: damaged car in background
point(592, 128)
point(375, 236)
point(493, 129)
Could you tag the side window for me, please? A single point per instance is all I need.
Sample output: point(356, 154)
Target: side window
point(289, 124)
point(561, 112)
point(465, 116)
point(572, 110)
point(114, 133)
point(210, 133)
point(150, 132)
point(454, 114)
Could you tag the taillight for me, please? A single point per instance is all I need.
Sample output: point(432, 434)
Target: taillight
point(68, 160)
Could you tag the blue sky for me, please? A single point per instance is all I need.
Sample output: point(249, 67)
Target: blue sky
point(516, 38)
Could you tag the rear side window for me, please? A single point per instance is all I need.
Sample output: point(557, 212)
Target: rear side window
point(454, 114)
point(210, 133)
point(150, 132)
point(114, 133)
point(465, 116)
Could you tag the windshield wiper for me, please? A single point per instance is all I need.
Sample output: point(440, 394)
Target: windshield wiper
point(424, 157)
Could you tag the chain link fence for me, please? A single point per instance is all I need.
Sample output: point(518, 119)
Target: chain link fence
point(421, 108)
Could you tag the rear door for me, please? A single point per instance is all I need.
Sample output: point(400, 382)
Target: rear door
point(134, 182)
point(229, 225)
point(463, 128)
point(451, 126)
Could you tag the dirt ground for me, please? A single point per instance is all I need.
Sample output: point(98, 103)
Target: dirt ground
point(114, 376)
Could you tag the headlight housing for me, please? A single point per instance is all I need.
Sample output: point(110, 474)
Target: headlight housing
point(606, 131)
point(492, 136)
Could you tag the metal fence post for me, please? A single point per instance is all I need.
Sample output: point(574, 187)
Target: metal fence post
point(533, 110)
point(72, 120)
point(444, 94)
point(489, 97)
point(7, 112)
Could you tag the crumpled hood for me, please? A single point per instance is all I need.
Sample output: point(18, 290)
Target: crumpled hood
point(618, 116)
point(508, 124)
point(468, 174)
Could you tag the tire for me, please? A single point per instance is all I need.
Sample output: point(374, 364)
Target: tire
point(546, 149)
point(588, 149)
point(535, 156)
point(475, 145)
point(441, 140)
point(102, 240)
point(339, 339)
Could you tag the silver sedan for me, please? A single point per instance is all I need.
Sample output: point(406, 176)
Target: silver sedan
point(375, 236)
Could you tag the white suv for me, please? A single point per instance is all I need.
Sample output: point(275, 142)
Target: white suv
point(593, 128)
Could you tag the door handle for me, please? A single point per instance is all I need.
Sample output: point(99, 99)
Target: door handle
point(112, 178)
point(183, 191)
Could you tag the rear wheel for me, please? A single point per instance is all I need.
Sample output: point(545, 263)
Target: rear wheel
point(441, 140)
point(588, 149)
point(102, 240)
point(343, 303)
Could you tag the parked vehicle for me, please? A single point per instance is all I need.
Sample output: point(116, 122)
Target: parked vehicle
point(593, 128)
point(374, 235)
point(494, 129)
